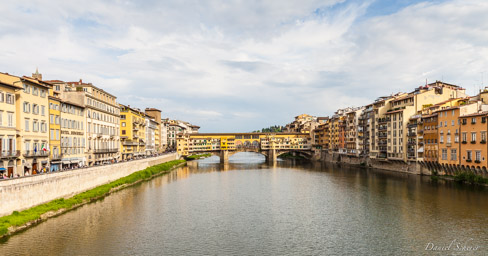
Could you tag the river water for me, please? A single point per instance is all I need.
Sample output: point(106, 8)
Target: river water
point(251, 208)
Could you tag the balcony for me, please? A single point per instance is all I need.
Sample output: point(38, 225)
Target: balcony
point(105, 150)
point(129, 143)
point(56, 156)
point(10, 154)
point(31, 153)
point(411, 134)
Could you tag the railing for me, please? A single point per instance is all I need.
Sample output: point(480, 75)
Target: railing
point(106, 150)
point(6, 154)
point(31, 153)
point(57, 156)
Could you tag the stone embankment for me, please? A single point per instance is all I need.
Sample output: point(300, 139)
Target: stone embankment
point(23, 193)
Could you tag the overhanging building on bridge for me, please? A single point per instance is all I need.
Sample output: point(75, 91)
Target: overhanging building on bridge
point(225, 144)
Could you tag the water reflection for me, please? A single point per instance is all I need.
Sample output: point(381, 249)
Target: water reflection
point(248, 207)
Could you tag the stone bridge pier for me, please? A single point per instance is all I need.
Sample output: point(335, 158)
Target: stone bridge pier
point(224, 156)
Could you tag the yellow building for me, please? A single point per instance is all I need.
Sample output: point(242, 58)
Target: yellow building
point(73, 141)
point(54, 131)
point(132, 132)
point(32, 116)
point(9, 155)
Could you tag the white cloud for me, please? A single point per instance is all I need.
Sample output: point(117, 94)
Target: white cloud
point(243, 65)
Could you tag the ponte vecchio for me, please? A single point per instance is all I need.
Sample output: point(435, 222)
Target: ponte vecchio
point(271, 145)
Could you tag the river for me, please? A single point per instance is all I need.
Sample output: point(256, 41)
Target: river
point(248, 207)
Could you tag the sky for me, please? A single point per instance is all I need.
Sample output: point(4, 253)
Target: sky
point(239, 66)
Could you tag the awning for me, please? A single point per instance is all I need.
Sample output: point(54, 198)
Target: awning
point(421, 150)
point(2, 169)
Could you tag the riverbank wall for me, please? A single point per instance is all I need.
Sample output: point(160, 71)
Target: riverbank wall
point(389, 165)
point(25, 192)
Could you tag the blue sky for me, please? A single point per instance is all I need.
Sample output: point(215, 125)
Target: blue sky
point(243, 65)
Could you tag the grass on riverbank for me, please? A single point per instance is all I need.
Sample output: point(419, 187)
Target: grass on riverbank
point(470, 177)
point(21, 218)
point(194, 157)
point(290, 156)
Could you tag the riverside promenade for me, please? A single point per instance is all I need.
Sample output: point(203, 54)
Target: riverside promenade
point(25, 192)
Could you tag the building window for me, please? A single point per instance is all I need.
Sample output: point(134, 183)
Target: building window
point(10, 119)
point(473, 120)
point(26, 107)
point(483, 136)
point(26, 88)
point(464, 136)
point(35, 126)
point(478, 156)
point(473, 137)
point(35, 91)
point(444, 154)
point(442, 139)
point(448, 138)
point(453, 154)
point(123, 132)
point(468, 155)
point(10, 99)
point(27, 125)
point(123, 124)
